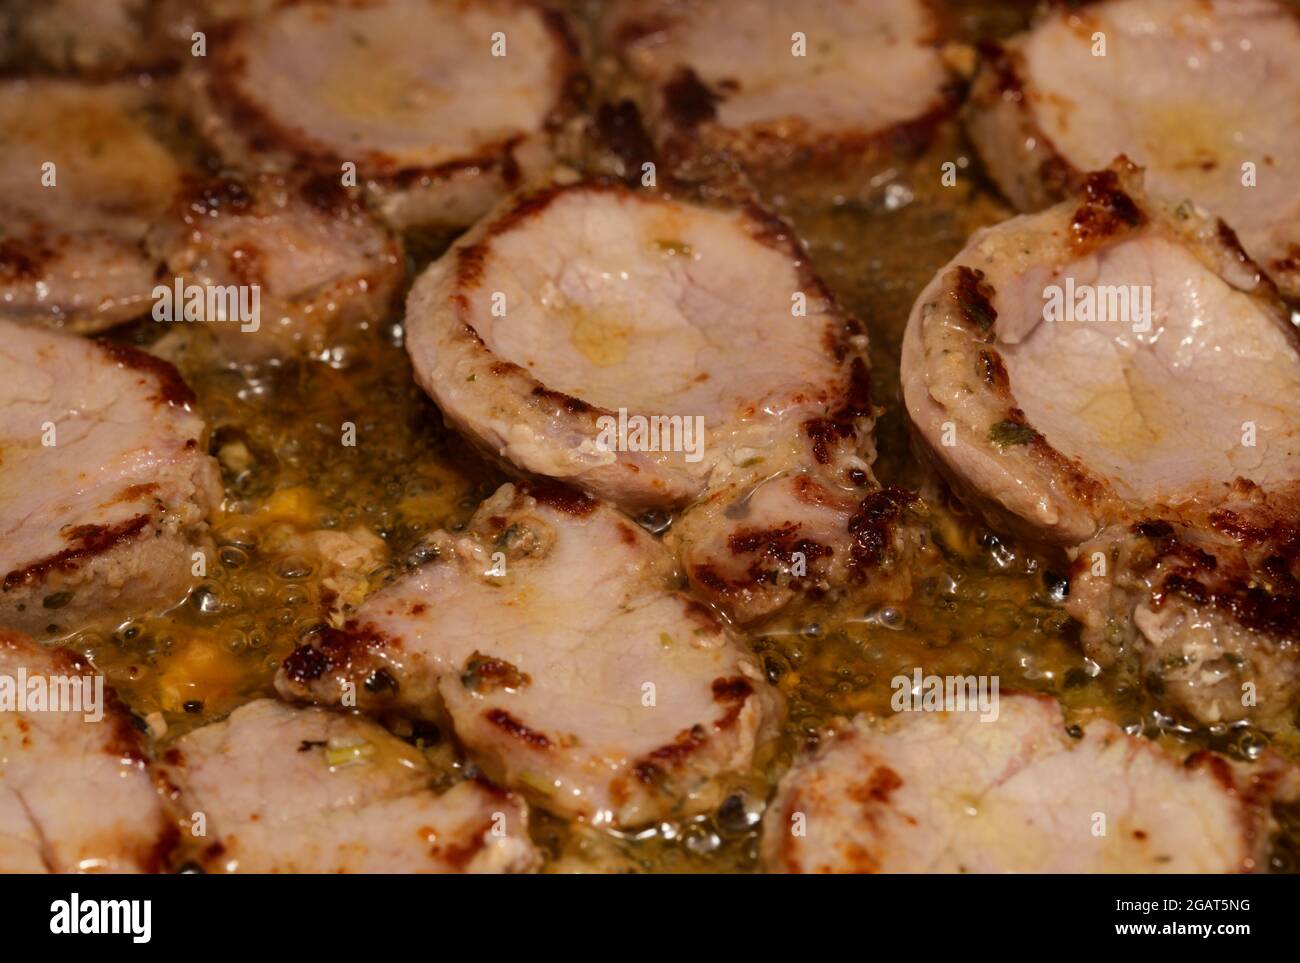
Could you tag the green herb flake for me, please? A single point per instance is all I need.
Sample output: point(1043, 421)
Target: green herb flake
point(1008, 433)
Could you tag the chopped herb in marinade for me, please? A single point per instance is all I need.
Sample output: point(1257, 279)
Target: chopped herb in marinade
point(1007, 433)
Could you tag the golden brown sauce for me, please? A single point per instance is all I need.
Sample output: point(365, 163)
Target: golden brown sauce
point(981, 605)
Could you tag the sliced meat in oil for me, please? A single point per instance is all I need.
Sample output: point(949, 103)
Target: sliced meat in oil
point(85, 172)
point(1201, 608)
point(551, 634)
point(775, 81)
point(438, 106)
point(587, 333)
point(1171, 372)
point(278, 789)
point(949, 793)
point(76, 795)
point(1205, 94)
point(105, 481)
point(322, 266)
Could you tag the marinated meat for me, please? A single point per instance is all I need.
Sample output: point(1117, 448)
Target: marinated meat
point(439, 106)
point(949, 793)
point(76, 795)
point(105, 481)
point(320, 263)
point(84, 174)
point(776, 82)
point(278, 789)
point(1171, 371)
point(1205, 94)
point(639, 347)
point(551, 635)
point(1202, 607)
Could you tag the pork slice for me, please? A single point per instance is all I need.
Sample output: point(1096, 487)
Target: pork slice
point(76, 794)
point(83, 175)
point(279, 789)
point(1205, 94)
point(571, 319)
point(579, 676)
point(439, 107)
point(1202, 607)
point(775, 82)
point(105, 481)
point(947, 792)
point(1184, 378)
point(321, 263)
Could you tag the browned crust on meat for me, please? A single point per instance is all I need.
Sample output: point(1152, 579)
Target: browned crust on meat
point(1264, 597)
point(973, 298)
point(845, 424)
point(1106, 212)
point(702, 615)
point(560, 497)
point(26, 258)
point(993, 372)
point(878, 788)
point(732, 690)
point(485, 673)
point(87, 542)
point(171, 388)
point(775, 543)
point(337, 650)
point(1267, 286)
point(513, 727)
point(873, 527)
point(1000, 95)
point(651, 770)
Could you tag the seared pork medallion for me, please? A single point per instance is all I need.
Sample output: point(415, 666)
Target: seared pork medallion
point(436, 107)
point(949, 793)
point(76, 795)
point(320, 263)
point(637, 346)
point(1202, 605)
point(551, 635)
point(776, 82)
point(105, 481)
point(1100, 360)
point(1205, 94)
point(1112, 377)
point(657, 352)
point(83, 174)
point(278, 789)
point(655, 626)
